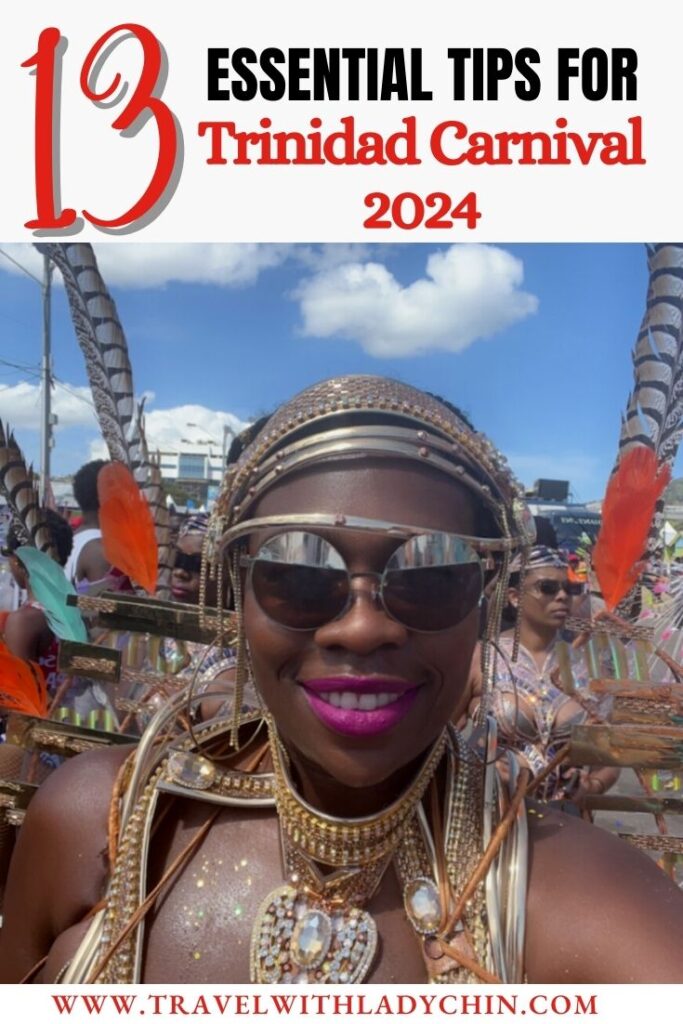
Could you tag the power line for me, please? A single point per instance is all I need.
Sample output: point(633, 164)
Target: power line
point(21, 267)
point(24, 367)
point(72, 391)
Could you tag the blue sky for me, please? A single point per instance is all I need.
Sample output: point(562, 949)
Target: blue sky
point(532, 341)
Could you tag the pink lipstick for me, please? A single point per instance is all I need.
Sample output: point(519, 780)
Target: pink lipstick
point(359, 705)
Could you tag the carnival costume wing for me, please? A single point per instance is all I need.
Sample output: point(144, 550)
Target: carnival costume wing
point(22, 685)
point(127, 526)
point(51, 588)
point(16, 484)
point(104, 346)
point(651, 431)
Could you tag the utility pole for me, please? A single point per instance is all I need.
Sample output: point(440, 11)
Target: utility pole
point(46, 382)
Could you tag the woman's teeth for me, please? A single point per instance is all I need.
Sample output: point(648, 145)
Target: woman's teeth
point(359, 701)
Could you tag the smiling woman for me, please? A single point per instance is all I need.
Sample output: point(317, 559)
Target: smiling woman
point(340, 834)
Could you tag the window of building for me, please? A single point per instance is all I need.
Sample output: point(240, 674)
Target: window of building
point(191, 467)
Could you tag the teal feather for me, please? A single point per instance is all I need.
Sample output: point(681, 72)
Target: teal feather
point(51, 588)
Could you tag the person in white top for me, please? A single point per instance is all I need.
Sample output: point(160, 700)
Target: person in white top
point(87, 560)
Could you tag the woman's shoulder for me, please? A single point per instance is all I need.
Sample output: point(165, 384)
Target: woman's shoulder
point(60, 862)
point(26, 631)
point(598, 909)
point(31, 616)
point(71, 809)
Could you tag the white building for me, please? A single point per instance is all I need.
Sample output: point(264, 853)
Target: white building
point(196, 467)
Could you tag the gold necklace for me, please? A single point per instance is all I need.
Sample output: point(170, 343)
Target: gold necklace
point(314, 928)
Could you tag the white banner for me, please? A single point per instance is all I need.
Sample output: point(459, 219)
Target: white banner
point(605, 1004)
point(373, 121)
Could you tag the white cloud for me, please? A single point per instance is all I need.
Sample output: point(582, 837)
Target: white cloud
point(468, 292)
point(167, 429)
point(142, 265)
point(148, 265)
point(20, 406)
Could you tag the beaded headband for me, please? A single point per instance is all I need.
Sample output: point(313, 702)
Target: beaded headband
point(540, 557)
point(360, 416)
point(196, 524)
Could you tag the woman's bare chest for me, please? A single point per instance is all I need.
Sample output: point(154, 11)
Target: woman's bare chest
point(202, 927)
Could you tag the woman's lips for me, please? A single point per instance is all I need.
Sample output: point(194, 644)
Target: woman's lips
point(359, 706)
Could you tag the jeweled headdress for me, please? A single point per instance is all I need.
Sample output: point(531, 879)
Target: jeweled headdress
point(356, 416)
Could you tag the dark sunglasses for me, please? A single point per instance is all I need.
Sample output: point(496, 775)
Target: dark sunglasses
point(430, 583)
point(551, 588)
point(188, 563)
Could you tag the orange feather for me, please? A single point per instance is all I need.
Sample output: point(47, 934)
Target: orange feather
point(627, 514)
point(22, 685)
point(128, 535)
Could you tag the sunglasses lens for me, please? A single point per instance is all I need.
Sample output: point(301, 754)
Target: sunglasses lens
point(551, 588)
point(432, 582)
point(300, 580)
point(188, 563)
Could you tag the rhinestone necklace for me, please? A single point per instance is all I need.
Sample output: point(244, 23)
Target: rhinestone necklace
point(314, 929)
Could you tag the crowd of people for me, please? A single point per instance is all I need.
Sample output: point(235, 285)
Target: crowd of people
point(353, 805)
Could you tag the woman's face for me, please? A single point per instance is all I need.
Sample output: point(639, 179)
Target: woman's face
point(355, 661)
point(185, 576)
point(545, 611)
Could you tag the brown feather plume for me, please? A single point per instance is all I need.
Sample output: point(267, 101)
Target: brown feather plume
point(128, 535)
point(16, 483)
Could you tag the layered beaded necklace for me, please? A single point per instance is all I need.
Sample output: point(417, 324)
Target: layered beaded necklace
point(315, 928)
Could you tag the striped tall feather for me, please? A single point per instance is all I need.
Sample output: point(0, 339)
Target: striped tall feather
point(654, 412)
point(120, 415)
point(103, 343)
point(16, 484)
point(651, 431)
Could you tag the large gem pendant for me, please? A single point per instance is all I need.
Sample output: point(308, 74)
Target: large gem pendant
point(423, 905)
point(297, 941)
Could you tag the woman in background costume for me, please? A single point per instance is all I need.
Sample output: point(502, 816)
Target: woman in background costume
point(540, 682)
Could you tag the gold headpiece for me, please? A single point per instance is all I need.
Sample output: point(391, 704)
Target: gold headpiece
point(353, 416)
